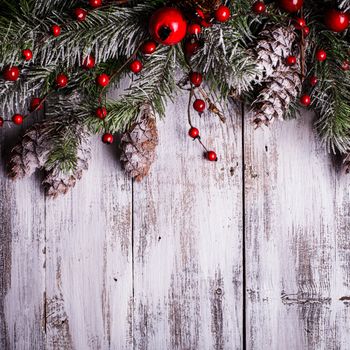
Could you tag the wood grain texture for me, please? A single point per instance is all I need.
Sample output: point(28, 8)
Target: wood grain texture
point(297, 251)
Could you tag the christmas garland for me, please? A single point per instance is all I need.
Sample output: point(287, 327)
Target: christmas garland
point(277, 56)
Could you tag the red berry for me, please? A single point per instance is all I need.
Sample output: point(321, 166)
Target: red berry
point(194, 29)
point(27, 54)
point(103, 80)
point(61, 80)
point(56, 30)
point(36, 104)
point(1, 121)
point(199, 105)
point(89, 62)
point(149, 47)
point(95, 3)
point(321, 55)
point(291, 60)
point(222, 14)
point(299, 23)
point(136, 66)
point(345, 65)
point(194, 132)
point(196, 78)
point(305, 100)
point(101, 112)
point(291, 5)
point(80, 14)
point(313, 80)
point(107, 138)
point(259, 7)
point(337, 21)
point(11, 73)
point(191, 47)
point(17, 119)
point(211, 155)
point(306, 30)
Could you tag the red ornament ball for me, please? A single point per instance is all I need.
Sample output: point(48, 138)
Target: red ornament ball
point(11, 73)
point(95, 3)
point(291, 60)
point(305, 100)
point(107, 138)
point(191, 47)
point(56, 30)
point(136, 66)
point(336, 21)
point(36, 104)
point(149, 47)
point(27, 54)
point(168, 26)
point(101, 113)
point(321, 55)
point(1, 122)
point(313, 80)
point(291, 5)
point(345, 65)
point(211, 155)
point(80, 14)
point(61, 80)
point(194, 29)
point(259, 7)
point(193, 132)
point(222, 14)
point(89, 62)
point(196, 78)
point(102, 80)
point(17, 119)
point(199, 105)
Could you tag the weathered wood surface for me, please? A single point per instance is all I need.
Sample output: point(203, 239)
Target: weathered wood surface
point(249, 253)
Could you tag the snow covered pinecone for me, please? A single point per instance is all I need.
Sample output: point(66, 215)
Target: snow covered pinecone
point(139, 143)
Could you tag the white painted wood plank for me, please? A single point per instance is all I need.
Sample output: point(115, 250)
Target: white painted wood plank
point(297, 251)
point(187, 234)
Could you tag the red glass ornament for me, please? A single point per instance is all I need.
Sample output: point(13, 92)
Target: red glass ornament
point(321, 55)
point(211, 155)
point(149, 47)
point(306, 30)
point(27, 54)
point(345, 65)
point(191, 47)
point(56, 30)
point(95, 3)
point(136, 66)
point(11, 73)
point(101, 113)
point(80, 14)
point(337, 21)
point(194, 29)
point(168, 26)
point(89, 62)
point(196, 78)
point(313, 80)
point(199, 105)
point(103, 80)
point(17, 119)
point(193, 132)
point(61, 80)
point(107, 138)
point(259, 7)
point(299, 23)
point(36, 104)
point(291, 60)
point(291, 5)
point(305, 100)
point(222, 14)
point(1, 121)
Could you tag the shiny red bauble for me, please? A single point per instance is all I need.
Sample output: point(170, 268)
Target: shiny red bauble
point(194, 29)
point(222, 14)
point(345, 65)
point(36, 104)
point(11, 73)
point(337, 21)
point(61, 80)
point(1, 121)
point(199, 105)
point(149, 47)
point(259, 7)
point(56, 30)
point(291, 60)
point(291, 5)
point(313, 80)
point(168, 26)
point(321, 55)
point(107, 138)
point(193, 132)
point(80, 14)
point(196, 79)
point(27, 54)
point(211, 155)
point(136, 66)
point(17, 119)
point(89, 62)
point(103, 79)
point(191, 47)
point(101, 113)
point(95, 3)
point(305, 100)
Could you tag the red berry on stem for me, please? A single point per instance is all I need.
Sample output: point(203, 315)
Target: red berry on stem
point(89, 62)
point(222, 14)
point(107, 138)
point(61, 80)
point(191, 47)
point(306, 30)
point(1, 121)
point(95, 3)
point(291, 60)
point(101, 113)
point(17, 119)
point(291, 5)
point(149, 47)
point(259, 7)
point(36, 104)
point(337, 21)
point(321, 55)
point(136, 66)
point(80, 14)
point(299, 23)
point(56, 30)
point(199, 105)
point(27, 54)
point(103, 80)
point(305, 100)
point(193, 132)
point(11, 73)
point(196, 79)
point(211, 155)
point(194, 29)
point(313, 80)
point(345, 65)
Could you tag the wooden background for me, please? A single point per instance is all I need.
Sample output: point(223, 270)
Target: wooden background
point(252, 252)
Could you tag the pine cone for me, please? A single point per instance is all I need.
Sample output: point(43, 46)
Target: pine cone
point(138, 145)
